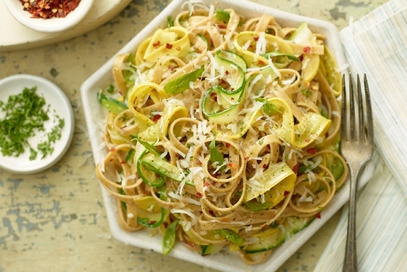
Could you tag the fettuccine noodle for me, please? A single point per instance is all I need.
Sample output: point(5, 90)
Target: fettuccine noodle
point(223, 131)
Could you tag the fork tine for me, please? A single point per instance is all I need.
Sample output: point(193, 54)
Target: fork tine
point(343, 109)
point(361, 126)
point(352, 109)
point(369, 117)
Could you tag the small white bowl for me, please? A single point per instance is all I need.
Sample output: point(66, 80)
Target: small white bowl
point(48, 25)
point(59, 106)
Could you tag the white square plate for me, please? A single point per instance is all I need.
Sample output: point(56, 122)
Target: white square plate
point(94, 117)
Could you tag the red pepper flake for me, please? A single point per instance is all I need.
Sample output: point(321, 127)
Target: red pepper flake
point(123, 162)
point(189, 244)
point(165, 224)
point(156, 118)
point(49, 8)
point(168, 46)
point(207, 184)
point(227, 145)
point(157, 44)
point(215, 175)
point(232, 165)
point(199, 195)
point(256, 38)
point(112, 149)
point(260, 62)
point(318, 215)
point(152, 222)
point(222, 26)
point(286, 193)
point(312, 150)
point(306, 50)
point(211, 212)
point(295, 168)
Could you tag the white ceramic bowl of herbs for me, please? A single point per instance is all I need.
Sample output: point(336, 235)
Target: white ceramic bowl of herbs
point(36, 124)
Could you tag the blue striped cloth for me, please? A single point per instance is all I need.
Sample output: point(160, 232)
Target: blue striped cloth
point(377, 45)
point(381, 227)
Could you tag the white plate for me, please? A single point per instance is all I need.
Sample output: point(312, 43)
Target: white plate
point(59, 106)
point(52, 24)
point(94, 114)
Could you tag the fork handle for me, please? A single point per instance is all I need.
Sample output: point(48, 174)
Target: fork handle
point(350, 263)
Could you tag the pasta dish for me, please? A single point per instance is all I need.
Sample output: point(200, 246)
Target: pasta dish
point(222, 132)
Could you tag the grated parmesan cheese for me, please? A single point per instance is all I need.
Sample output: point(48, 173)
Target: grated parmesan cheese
point(305, 63)
point(183, 198)
point(186, 212)
point(131, 177)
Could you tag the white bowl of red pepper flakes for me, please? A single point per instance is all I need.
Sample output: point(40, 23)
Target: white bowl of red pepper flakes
point(49, 15)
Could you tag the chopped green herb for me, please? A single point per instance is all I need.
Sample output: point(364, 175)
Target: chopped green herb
point(307, 92)
point(268, 107)
point(46, 147)
point(25, 115)
point(302, 169)
point(33, 154)
point(170, 21)
point(110, 89)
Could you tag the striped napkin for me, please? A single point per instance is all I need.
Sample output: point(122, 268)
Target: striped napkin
point(377, 45)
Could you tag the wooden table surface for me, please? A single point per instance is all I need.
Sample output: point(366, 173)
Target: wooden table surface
point(55, 220)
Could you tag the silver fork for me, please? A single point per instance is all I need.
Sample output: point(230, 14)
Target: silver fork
point(357, 148)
